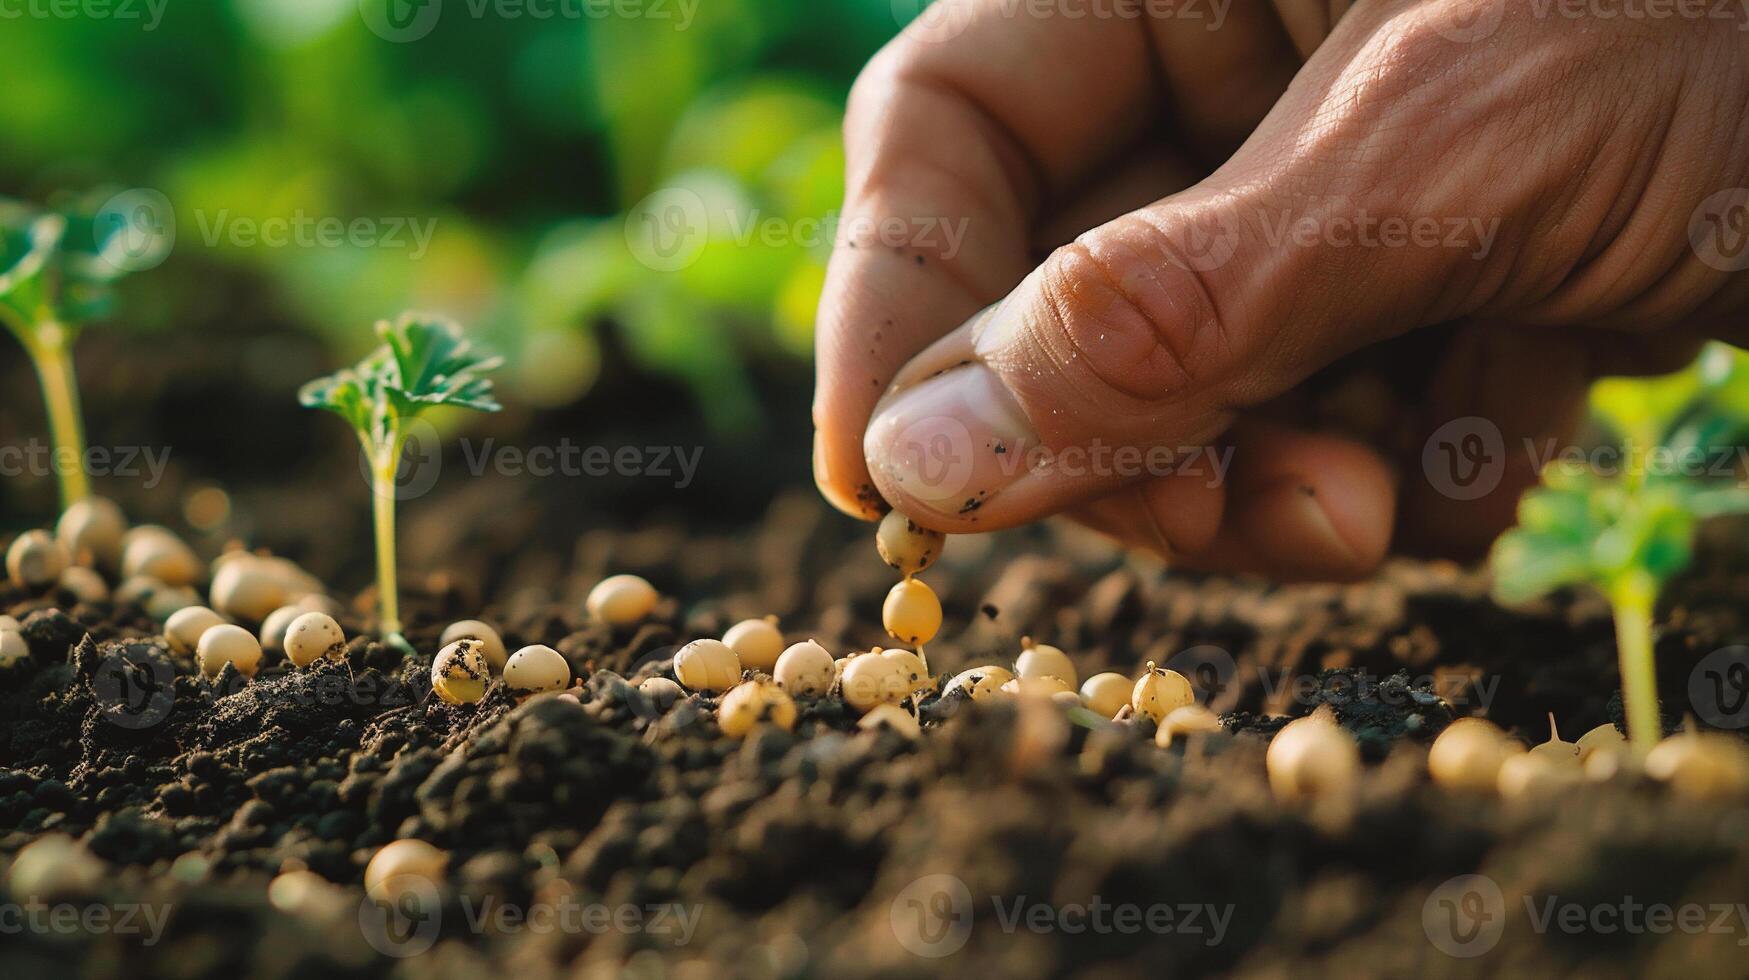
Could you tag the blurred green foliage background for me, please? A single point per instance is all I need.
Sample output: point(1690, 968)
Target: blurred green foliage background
point(528, 130)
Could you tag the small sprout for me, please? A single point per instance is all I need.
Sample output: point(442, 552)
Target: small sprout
point(1312, 756)
point(536, 669)
point(757, 642)
point(1043, 660)
point(13, 649)
point(1192, 719)
point(892, 718)
point(621, 600)
point(156, 552)
point(227, 643)
point(661, 691)
point(1604, 738)
point(912, 669)
point(1467, 756)
point(250, 587)
point(186, 626)
point(84, 584)
point(1701, 765)
point(905, 545)
point(1529, 774)
point(805, 669)
point(36, 560)
point(1106, 694)
point(981, 683)
point(912, 613)
point(752, 704)
point(1159, 692)
point(491, 644)
point(459, 673)
point(423, 362)
point(1555, 750)
point(404, 868)
point(92, 530)
point(707, 665)
point(870, 679)
point(312, 637)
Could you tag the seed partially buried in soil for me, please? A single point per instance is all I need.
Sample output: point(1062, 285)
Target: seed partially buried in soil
point(1703, 766)
point(186, 626)
point(707, 665)
point(491, 643)
point(1192, 719)
point(13, 649)
point(1043, 660)
point(1467, 756)
point(405, 867)
point(982, 683)
point(228, 643)
point(36, 560)
point(92, 530)
point(870, 679)
point(805, 668)
point(536, 669)
point(1312, 756)
point(754, 703)
point(156, 552)
point(911, 668)
point(83, 583)
point(892, 718)
point(314, 636)
point(757, 643)
point(1106, 694)
point(460, 673)
point(1159, 692)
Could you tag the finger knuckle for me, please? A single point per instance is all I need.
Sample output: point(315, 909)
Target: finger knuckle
point(1144, 324)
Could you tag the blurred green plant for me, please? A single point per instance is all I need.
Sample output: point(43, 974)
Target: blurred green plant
point(56, 269)
point(424, 362)
point(1628, 533)
point(529, 140)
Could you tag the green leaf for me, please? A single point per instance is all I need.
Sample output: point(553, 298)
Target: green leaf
point(28, 239)
point(432, 363)
point(1528, 566)
point(1643, 409)
point(347, 393)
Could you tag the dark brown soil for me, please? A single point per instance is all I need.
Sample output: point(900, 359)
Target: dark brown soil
point(832, 852)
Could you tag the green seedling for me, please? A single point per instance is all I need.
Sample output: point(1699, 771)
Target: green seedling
point(424, 362)
point(56, 269)
point(1629, 531)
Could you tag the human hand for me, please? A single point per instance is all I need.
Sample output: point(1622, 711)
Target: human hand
point(1423, 210)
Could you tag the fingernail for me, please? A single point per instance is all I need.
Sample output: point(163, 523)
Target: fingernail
point(949, 443)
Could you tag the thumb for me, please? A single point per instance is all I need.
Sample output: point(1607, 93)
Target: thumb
point(1359, 209)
